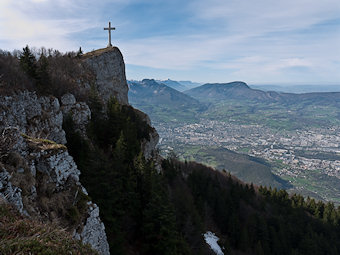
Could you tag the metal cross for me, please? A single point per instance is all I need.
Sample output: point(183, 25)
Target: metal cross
point(109, 28)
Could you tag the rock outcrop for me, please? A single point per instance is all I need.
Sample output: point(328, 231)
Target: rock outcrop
point(93, 232)
point(109, 68)
point(79, 112)
point(35, 116)
point(37, 174)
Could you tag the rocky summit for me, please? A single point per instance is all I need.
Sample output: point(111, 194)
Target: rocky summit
point(109, 68)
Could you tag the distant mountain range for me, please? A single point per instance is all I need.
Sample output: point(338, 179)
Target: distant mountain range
point(162, 102)
point(173, 84)
point(297, 88)
point(217, 92)
point(150, 91)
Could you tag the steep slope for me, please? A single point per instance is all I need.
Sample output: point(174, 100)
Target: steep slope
point(246, 168)
point(35, 237)
point(246, 218)
point(39, 167)
point(109, 68)
point(37, 173)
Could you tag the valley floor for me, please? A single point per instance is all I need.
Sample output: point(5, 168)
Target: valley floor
point(308, 158)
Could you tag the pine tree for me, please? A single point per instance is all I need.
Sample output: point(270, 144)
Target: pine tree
point(28, 62)
point(42, 75)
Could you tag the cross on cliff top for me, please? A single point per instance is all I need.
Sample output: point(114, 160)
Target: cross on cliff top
point(109, 28)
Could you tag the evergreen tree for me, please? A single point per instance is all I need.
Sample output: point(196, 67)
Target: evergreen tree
point(28, 62)
point(42, 75)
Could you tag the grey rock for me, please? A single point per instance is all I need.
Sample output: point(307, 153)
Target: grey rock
point(59, 167)
point(38, 117)
point(68, 99)
point(79, 112)
point(109, 68)
point(149, 146)
point(10, 192)
point(94, 231)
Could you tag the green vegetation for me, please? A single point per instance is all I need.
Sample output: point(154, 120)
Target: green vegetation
point(317, 184)
point(132, 196)
point(45, 71)
point(164, 114)
point(253, 220)
point(21, 235)
point(277, 116)
point(166, 213)
point(43, 144)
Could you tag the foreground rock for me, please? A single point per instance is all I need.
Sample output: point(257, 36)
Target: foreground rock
point(37, 174)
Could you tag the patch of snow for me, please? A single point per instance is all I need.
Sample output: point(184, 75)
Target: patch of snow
point(211, 239)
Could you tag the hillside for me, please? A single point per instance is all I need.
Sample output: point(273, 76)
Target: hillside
point(216, 92)
point(248, 219)
point(246, 168)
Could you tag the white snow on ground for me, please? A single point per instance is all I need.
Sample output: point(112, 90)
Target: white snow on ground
point(212, 239)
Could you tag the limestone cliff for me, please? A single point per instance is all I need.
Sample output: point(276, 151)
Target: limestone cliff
point(37, 174)
point(109, 68)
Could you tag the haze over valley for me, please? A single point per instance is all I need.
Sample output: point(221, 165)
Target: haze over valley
point(279, 139)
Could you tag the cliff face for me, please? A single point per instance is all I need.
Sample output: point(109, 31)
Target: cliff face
point(109, 68)
point(37, 174)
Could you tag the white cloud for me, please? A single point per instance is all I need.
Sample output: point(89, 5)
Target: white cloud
point(47, 23)
point(243, 39)
point(263, 16)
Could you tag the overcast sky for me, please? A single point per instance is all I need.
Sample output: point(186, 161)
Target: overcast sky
point(262, 41)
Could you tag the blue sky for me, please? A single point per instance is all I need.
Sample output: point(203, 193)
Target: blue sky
point(259, 42)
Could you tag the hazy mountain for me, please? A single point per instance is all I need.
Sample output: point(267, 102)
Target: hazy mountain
point(148, 90)
point(216, 92)
point(173, 84)
point(298, 88)
point(162, 102)
point(190, 84)
point(234, 90)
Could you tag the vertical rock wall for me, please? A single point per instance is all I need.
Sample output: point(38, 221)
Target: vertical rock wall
point(37, 174)
point(109, 68)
